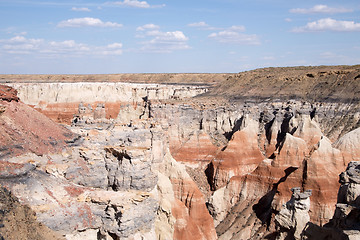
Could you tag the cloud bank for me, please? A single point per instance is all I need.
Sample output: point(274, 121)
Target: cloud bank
point(198, 24)
point(320, 9)
point(149, 26)
point(329, 24)
point(235, 35)
point(87, 22)
point(69, 48)
point(162, 42)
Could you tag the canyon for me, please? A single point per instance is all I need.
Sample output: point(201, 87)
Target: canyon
point(252, 155)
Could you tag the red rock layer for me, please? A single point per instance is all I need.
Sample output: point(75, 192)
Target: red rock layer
point(296, 165)
point(198, 149)
point(305, 159)
point(193, 220)
point(241, 156)
point(64, 112)
point(23, 129)
point(321, 174)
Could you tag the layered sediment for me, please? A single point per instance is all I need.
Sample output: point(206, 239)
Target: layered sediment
point(191, 161)
point(293, 221)
point(60, 101)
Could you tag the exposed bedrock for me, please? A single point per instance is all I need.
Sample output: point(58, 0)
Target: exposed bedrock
point(252, 154)
point(347, 213)
point(119, 182)
point(60, 101)
point(151, 163)
point(19, 221)
point(293, 216)
point(293, 222)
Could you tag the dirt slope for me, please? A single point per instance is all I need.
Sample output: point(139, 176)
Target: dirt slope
point(322, 83)
point(23, 129)
point(19, 221)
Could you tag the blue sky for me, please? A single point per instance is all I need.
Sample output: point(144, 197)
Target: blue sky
point(131, 36)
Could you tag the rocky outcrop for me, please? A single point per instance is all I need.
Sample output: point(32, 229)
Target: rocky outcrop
point(8, 94)
point(349, 145)
point(347, 213)
point(293, 216)
point(19, 222)
point(192, 219)
point(93, 190)
point(153, 163)
point(120, 182)
point(239, 157)
point(345, 222)
point(256, 147)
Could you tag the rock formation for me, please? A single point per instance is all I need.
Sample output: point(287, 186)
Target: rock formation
point(293, 216)
point(346, 219)
point(107, 185)
point(152, 161)
point(293, 221)
point(8, 94)
point(19, 222)
point(58, 101)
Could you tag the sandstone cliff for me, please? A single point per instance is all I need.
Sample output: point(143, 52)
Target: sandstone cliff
point(60, 101)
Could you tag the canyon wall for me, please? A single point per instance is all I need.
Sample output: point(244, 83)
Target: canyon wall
point(156, 162)
point(60, 101)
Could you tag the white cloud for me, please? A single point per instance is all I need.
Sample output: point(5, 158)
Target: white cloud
point(83, 9)
point(147, 27)
point(135, 4)
point(233, 35)
point(20, 44)
point(65, 47)
point(161, 42)
point(87, 22)
point(115, 46)
point(202, 25)
point(69, 48)
point(320, 9)
point(165, 42)
point(329, 24)
point(237, 28)
point(110, 49)
point(198, 24)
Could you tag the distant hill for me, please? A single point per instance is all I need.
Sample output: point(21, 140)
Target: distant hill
point(165, 78)
point(321, 83)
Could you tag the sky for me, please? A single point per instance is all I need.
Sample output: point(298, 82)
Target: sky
point(169, 36)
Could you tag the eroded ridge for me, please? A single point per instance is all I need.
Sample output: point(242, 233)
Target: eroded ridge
point(159, 161)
